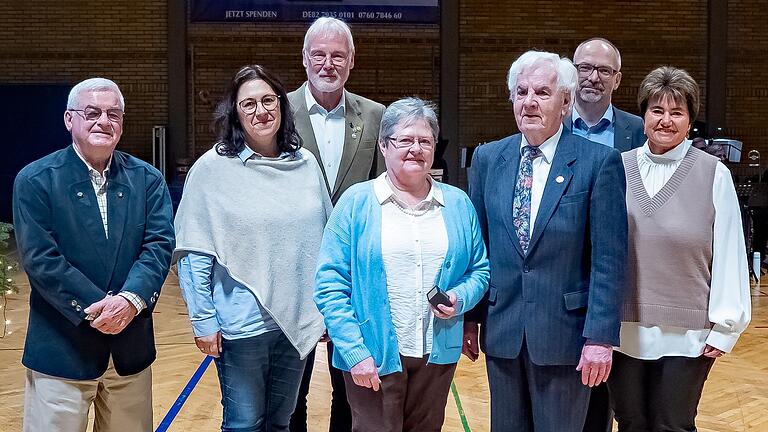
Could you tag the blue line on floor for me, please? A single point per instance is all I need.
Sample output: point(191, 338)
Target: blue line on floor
point(174, 411)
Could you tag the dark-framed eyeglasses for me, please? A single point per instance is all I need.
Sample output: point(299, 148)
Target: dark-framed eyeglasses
point(337, 59)
point(250, 105)
point(92, 113)
point(585, 70)
point(405, 141)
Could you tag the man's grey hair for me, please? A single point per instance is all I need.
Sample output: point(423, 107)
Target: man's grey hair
point(605, 41)
point(328, 27)
point(566, 71)
point(405, 112)
point(91, 85)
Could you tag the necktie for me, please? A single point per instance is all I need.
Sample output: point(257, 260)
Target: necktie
point(521, 207)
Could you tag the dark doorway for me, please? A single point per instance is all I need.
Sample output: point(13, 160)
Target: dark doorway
point(31, 126)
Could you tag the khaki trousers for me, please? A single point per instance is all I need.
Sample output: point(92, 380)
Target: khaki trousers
point(121, 403)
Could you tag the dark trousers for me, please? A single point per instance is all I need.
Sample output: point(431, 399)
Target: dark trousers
point(259, 378)
point(599, 413)
point(409, 401)
point(341, 416)
point(657, 395)
point(526, 397)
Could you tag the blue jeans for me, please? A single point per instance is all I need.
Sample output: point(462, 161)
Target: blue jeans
point(259, 379)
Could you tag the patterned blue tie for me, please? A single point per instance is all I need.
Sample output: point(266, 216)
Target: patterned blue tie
point(521, 207)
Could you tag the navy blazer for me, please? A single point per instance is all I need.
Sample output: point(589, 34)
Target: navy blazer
point(569, 286)
point(628, 131)
point(71, 264)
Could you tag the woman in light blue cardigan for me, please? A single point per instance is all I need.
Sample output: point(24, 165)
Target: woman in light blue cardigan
point(388, 242)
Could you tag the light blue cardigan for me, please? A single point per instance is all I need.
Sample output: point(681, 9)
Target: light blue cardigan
point(351, 285)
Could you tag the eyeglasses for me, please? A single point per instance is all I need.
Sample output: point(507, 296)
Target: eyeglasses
point(92, 113)
point(269, 102)
point(319, 58)
point(585, 70)
point(403, 141)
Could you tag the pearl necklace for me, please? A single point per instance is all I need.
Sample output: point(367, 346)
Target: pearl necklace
point(410, 211)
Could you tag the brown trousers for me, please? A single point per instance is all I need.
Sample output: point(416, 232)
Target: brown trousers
point(409, 401)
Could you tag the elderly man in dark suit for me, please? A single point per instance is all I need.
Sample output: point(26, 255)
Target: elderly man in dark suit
point(95, 234)
point(598, 63)
point(342, 130)
point(551, 206)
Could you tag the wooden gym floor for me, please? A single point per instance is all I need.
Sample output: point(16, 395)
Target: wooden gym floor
point(735, 397)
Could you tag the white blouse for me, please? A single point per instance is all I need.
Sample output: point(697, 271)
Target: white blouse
point(413, 246)
point(729, 298)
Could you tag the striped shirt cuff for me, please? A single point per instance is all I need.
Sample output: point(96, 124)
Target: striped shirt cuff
point(135, 300)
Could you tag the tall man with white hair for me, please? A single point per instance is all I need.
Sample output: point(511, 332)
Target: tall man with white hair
point(341, 129)
point(551, 207)
point(598, 63)
point(95, 234)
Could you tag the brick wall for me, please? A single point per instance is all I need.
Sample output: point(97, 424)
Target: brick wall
point(747, 75)
point(391, 61)
point(63, 42)
point(494, 33)
point(53, 41)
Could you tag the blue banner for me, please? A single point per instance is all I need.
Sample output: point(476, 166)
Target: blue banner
point(388, 11)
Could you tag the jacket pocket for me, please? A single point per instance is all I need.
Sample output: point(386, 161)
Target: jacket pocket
point(575, 197)
point(492, 292)
point(369, 339)
point(576, 300)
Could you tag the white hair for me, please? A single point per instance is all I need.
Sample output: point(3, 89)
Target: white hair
point(91, 85)
point(566, 71)
point(326, 27)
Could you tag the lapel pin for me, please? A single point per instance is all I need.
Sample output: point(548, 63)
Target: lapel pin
point(560, 179)
point(79, 194)
point(119, 194)
point(354, 136)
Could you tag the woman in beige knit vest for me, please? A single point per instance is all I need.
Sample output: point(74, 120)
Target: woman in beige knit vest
point(687, 299)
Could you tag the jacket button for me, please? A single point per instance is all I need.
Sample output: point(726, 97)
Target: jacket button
point(526, 269)
point(78, 308)
point(74, 303)
point(448, 265)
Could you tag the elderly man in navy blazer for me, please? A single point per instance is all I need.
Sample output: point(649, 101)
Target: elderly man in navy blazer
point(551, 206)
point(95, 235)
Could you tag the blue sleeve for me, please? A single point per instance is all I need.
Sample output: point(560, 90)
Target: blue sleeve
point(608, 234)
point(474, 283)
point(333, 286)
point(148, 273)
point(195, 275)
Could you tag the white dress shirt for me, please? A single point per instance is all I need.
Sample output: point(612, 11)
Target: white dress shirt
point(729, 297)
point(330, 132)
point(413, 247)
point(541, 167)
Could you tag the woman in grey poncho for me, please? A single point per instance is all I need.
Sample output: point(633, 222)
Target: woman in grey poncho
point(248, 230)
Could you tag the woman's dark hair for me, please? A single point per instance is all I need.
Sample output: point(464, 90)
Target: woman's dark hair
point(230, 136)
